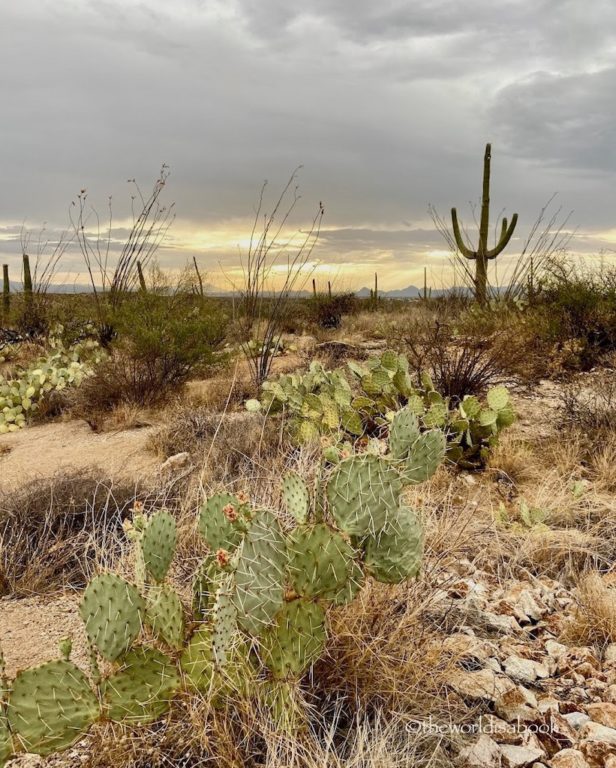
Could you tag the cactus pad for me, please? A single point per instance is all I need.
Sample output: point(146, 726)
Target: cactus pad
point(51, 706)
point(140, 691)
point(296, 497)
point(224, 624)
point(197, 661)
point(112, 611)
point(6, 742)
point(295, 640)
point(259, 575)
point(204, 585)
point(403, 433)
point(498, 398)
point(361, 491)
point(427, 453)
point(320, 560)
point(347, 592)
point(158, 544)
point(395, 553)
point(164, 615)
point(217, 530)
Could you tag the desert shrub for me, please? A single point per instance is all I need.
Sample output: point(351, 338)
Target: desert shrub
point(328, 311)
point(589, 404)
point(576, 312)
point(162, 341)
point(52, 532)
point(230, 446)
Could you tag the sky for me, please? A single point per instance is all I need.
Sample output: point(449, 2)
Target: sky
point(386, 106)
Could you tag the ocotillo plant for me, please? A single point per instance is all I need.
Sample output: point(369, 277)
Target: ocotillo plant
point(6, 292)
point(483, 253)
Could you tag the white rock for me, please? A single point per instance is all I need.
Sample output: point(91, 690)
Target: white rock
point(178, 461)
point(518, 757)
point(483, 684)
point(555, 650)
point(520, 669)
point(610, 654)
point(597, 732)
point(485, 753)
point(569, 758)
point(576, 719)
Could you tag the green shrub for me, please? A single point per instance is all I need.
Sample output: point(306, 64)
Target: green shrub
point(161, 341)
point(328, 311)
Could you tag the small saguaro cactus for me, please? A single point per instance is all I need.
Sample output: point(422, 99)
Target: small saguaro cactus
point(27, 278)
point(483, 253)
point(6, 292)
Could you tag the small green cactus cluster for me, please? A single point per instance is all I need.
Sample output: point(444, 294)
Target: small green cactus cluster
point(318, 402)
point(363, 402)
point(63, 367)
point(49, 707)
point(260, 599)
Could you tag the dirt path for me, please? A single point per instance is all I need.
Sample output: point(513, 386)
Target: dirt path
point(47, 449)
point(31, 629)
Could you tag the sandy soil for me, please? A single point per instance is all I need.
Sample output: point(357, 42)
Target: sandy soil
point(47, 449)
point(31, 629)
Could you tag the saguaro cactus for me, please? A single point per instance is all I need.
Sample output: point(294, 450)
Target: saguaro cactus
point(27, 278)
point(483, 253)
point(6, 292)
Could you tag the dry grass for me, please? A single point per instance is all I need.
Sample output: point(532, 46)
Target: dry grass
point(595, 618)
point(54, 533)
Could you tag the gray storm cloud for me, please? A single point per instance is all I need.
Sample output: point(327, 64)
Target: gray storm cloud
point(387, 106)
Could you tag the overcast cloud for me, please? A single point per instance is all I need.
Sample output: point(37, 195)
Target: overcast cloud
point(386, 105)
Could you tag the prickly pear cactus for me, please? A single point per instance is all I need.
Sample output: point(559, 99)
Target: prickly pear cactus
point(51, 706)
point(142, 689)
point(295, 640)
point(361, 493)
point(158, 544)
point(197, 660)
point(164, 615)
point(395, 552)
point(218, 522)
point(224, 623)
point(6, 742)
point(113, 612)
point(320, 561)
point(259, 575)
point(424, 457)
point(296, 497)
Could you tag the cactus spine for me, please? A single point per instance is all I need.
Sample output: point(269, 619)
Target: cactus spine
point(483, 253)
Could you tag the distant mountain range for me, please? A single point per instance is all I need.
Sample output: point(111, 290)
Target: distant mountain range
point(410, 292)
